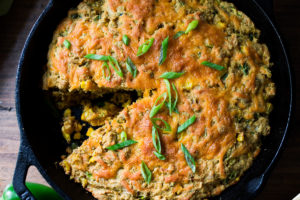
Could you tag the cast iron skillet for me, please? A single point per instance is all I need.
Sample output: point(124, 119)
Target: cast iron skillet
point(41, 139)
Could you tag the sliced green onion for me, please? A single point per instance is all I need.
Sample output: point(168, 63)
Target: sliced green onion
point(126, 40)
point(131, 67)
point(159, 155)
point(171, 75)
point(146, 173)
point(169, 94)
point(176, 97)
point(96, 57)
point(189, 158)
point(186, 124)
point(155, 109)
point(123, 136)
point(145, 47)
point(105, 65)
point(67, 44)
point(167, 127)
point(115, 65)
point(121, 145)
point(178, 34)
point(213, 65)
point(163, 50)
point(156, 139)
point(191, 26)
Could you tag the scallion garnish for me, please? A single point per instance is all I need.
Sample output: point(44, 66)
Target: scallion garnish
point(112, 61)
point(178, 34)
point(123, 136)
point(96, 57)
point(146, 173)
point(213, 65)
point(171, 75)
point(167, 127)
point(155, 109)
point(156, 139)
point(115, 65)
point(121, 145)
point(145, 47)
point(105, 66)
point(159, 155)
point(67, 44)
point(191, 26)
point(189, 158)
point(176, 98)
point(163, 50)
point(131, 67)
point(169, 94)
point(186, 124)
point(126, 40)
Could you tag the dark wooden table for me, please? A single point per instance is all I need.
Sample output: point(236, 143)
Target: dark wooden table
point(284, 181)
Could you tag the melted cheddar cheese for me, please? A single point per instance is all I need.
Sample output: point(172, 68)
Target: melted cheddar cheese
point(231, 106)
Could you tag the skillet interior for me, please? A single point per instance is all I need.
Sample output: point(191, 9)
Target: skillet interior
point(41, 126)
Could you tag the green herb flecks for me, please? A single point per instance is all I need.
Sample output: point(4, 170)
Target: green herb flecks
point(121, 145)
point(186, 124)
point(171, 75)
point(163, 50)
point(166, 128)
point(245, 68)
point(146, 173)
point(126, 40)
point(145, 47)
point(155, 108)
point(131, 67)
point(223, 78)
point(178, 34)
point(67, 44)
point(213, 65)
point(105, 68)
point(189, 158)
point(191, 26)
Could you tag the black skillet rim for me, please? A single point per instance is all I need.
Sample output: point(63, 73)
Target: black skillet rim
point(25, 147)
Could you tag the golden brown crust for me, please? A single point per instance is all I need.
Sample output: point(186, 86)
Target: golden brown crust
point(231, 111)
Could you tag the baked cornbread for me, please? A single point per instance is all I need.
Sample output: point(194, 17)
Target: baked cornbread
point(205, 86)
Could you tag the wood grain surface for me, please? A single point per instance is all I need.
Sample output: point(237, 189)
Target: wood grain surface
point(284, 181)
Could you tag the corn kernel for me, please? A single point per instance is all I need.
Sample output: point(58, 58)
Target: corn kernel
point(77, 136)
point(67, 112)
point(188, 85)
point(83, 182)
point(83, 85)
point(245, 50)
point(67, 137)
point(221, 25)
point(89, 131)
point(67, 167)
point(92, 159)
point(240, 137)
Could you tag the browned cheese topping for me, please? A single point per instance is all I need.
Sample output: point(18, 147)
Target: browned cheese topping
point(231, 105)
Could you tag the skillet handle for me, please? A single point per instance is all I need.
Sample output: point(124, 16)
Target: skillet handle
point(267, 6)
point(24, 161)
